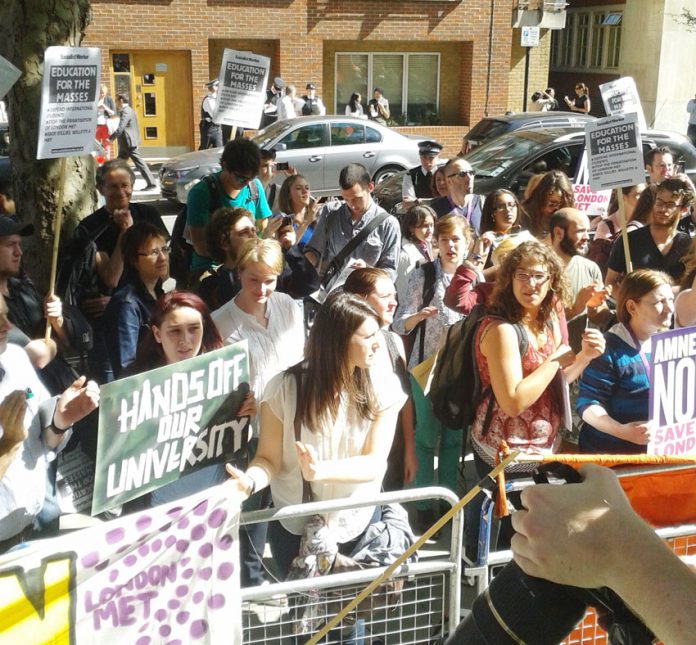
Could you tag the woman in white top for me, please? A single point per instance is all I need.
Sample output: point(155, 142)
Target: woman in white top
point(346, 427)
point(354, 107)
point(271, 321)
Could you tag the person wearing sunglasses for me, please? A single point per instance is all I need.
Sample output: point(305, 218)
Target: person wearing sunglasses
point(146, 261)
point(235, 186)
point(522, 353)
point(460, 198)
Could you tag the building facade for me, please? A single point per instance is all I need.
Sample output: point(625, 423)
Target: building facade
point(442, 65)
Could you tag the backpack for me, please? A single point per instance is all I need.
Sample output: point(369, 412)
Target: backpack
point(181, 250)
point(455, 389)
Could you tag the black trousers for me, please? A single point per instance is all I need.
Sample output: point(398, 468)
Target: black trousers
point(132, 153)
point(211, 135)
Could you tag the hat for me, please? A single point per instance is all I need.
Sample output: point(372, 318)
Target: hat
point(278, 83)
point(311, 86)
point(9, 227)
point(429, 148)
point(211, 84)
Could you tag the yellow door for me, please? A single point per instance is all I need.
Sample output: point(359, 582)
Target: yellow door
point(159, 86)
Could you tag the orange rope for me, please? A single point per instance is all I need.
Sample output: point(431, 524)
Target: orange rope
point(609, 460)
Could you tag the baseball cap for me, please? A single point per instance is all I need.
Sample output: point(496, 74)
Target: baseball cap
point(9, 227)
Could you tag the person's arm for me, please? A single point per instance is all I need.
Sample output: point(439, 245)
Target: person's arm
point(461, 294)
point(391, 247)
point(74, 404)
point(269, 455)
point(361, 468)
point(110, 267)
point(122, 331)
point(122, 125)
point(685, 306)
point(586, 535)
point(408, 192)
point(322, 107)
point(315, 249)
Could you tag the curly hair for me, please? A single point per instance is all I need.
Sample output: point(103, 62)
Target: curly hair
point(219, 227)
point(506, 304)
point(554, 181)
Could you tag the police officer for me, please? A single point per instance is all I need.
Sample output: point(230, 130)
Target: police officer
point(273, 96)
point(416, 184)
point(312, 103)
point(211, 132)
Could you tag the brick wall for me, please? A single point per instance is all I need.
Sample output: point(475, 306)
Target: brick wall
point(300, 35)
point(538, 69)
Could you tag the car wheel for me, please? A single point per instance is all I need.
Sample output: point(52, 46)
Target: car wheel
point(385, 173)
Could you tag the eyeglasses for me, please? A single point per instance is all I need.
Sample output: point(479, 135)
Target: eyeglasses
point(242, 179)
point(461, 173)
point(154, 254)
point(506, 207)
point(667, 205)
point(536, 278)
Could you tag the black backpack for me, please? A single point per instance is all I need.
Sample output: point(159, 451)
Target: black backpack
point(455, 389)
point(181, 251)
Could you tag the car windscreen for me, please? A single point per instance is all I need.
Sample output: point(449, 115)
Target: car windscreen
point(494, 158)
point(487, 129)
point(268, 134)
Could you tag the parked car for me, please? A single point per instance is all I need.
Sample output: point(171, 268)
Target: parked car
point(511, 159)
point(491, 127)
point(317, 146)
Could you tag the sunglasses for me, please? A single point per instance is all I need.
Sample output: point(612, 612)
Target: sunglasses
point(242, 179)
point(461, 173)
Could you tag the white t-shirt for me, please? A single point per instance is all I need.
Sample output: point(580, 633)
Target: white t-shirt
point(344, 438)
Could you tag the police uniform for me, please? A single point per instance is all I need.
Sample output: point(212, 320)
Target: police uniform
point(416, 183)
point(211, 133)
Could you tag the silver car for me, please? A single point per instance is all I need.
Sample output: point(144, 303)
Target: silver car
point(317, 146)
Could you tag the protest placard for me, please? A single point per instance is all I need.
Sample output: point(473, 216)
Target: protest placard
point(69, 95)
point(242, 89)
point(166, 575)
point(673, 392)
point(8, 76)
point(615, 152)
point(592, 203)
point(158, 426)
point(621, 97)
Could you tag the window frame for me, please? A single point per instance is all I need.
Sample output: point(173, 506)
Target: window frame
point(590, 24)
point(404, 72)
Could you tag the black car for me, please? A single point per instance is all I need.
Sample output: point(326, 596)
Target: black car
point(492, 127)
point(510, 160)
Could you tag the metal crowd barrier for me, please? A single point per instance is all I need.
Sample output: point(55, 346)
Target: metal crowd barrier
point(422, 610)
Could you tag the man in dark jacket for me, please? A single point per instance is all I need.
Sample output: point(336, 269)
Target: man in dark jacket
point(128, 136)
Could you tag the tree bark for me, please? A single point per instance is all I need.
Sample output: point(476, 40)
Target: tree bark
point(27, 28)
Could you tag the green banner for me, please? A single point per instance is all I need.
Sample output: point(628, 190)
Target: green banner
point(157, 426)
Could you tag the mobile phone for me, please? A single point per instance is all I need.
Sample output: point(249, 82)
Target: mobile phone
point(282, 165)
point(287, 220)
point(312, 200)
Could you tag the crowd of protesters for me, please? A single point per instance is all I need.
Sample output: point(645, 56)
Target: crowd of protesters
point(311, 286)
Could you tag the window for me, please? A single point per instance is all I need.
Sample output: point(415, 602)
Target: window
point(310, 136)
point(410, 82)
point(590, 40)
point(345, 134)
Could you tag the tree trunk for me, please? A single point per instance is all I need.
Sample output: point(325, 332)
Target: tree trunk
point(27, 28)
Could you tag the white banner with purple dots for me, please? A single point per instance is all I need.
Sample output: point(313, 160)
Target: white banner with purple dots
point(169, 574)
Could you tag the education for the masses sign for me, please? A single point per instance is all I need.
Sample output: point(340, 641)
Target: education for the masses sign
point(158, 426)
point(166, 575)
point(673, 392)
point(242, 89)
point(69, 95)
point(615, 152)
